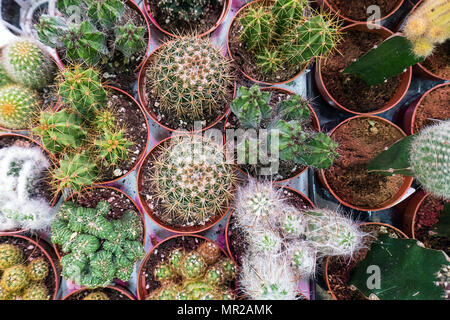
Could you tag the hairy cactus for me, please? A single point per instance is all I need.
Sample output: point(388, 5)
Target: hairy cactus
point(60, 130)
point(251, 106)
point(112, 146)
point(9, 255)
point(96, 295)
point(36, 291)
point(303, 258)
point(106, 12)
point(130, 39)
point(257, 24)
point(190, 78)
point(97, 249)
point(18, 105)
point(14, 279)
point(37, 269)
point(192, 180)
point(185, 10)
point(266, 242)
point(27, 63)
point(425, 156)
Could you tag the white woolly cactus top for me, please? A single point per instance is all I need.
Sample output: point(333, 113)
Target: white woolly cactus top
point(20, 167)
point(430, 159)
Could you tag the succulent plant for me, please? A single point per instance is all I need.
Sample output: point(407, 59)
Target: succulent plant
point(18, 105)
point(50, 29)
point(10, 255)
point(106, 12)
point(287, 14)
point(303, 258)
point(27, 63)
point(35, 291)
point(192, 180)
point(185, 10)
point(251, 106)
point(425, 155)
point(105, 120)
point(257, 24)
point(130, 38)
point(37, 269)
point(190, 78)
point(14, 279)
point(96, 295)
point(112, 146)
point(4, 78)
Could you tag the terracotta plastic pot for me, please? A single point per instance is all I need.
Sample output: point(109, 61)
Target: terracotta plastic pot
point(405, 78)
point(145, 103)
point(138, 210)
point(407, 182)
point(315, 122)
point(409, 117)
point(226, 8)
point(122, 291)
point(326, 4)
point(247, 75)
point(141, 155)
point(142, 292)
point(229, 248)
point(50, 157)
point(49, 254)
point(409, 216)
point(156, 219)
point(327, 261)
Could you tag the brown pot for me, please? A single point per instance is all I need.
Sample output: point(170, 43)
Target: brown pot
point(49, 254)
point(327, 261)
point(405, 78)
point(315, 122)
point(409, 216)
point(157, 220)
point(226, 8)
point(387, 204)
point(142, 292)
point(247, 75)
point(50, 157)
point(122, 291)
point(145, 103)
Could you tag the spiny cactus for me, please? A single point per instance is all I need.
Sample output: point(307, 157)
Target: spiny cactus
point(288, 13)
point(4, 78)
point(50, 29)
point(130, 38)
point(9, 255)
point(37, 269)
point(60, 130)
point(96, 295)
point(303, 258)
point(425, 156)
point(112, 146)
point(105, 120)
point(193, 266)
point(257, 24)
point(97, 249)
point(36, 291)
point(192, 180)
point(14, 279)
point(269, 61)
point(251, 106)
point(105, 12)
point(18, 105)
point(185, 10)
point(190, 78)
point(27, 63)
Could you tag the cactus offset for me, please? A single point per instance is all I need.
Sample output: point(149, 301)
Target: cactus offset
point(251, 106)
point(105, 120)
point(9, 255)
point(112, 146)
point(36, 291)
point(18, 105)
point(130, 39)
point(37, 269)
point(14, 279)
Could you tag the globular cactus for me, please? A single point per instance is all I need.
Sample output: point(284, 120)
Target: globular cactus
point(209, 251)
point(96, 295)
point(60, 130)
point(176, 257)
point(18, 105)
point(257, 27)
point(269, 61)
point(112, 146)
point(287, 13)
point(190, 78)
point(265, 242)
point(130, 39)
point(292, 222)
point(185, 10)
point(105, 120)
point(27, 63)
point(251, 106)
point(4, 78)
point(14, 279)
point(36, 291)
point(37, 269)
point(9, 255)
point(192, 180)
point(163, 272)
point(193, 266)
point(106, 12)
point(81, 90)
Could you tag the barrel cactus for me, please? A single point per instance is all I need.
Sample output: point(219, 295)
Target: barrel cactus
point(9, 255)
point(14, 279)
point(37, 269)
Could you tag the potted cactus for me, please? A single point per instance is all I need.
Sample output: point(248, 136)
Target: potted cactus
point(279, 112)
point(99, 237)
point(85, 37)
point(177, 18)
point(26, 73)
point(186, 268)
point(100, 134)
point(106, 293)
point(186, 184)
point(186, 84)
point(27, 270)
point(26, 196)
point(263, 39)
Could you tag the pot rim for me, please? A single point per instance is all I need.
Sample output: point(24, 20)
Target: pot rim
point(117, 288)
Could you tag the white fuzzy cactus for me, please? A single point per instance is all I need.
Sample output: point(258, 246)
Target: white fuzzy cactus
point(292, 222)
point(20, 168)
point(302, 257)
point(266, 242)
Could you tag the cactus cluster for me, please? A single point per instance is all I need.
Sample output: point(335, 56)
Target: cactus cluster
point(306, 147)
point(185, 10)
point(97, 249)
point(284, 243)
point(201, 274)
point(283, 34)
point(21, 281)
point(192, 180)
point(88, 38)
point(190, 79)
point(21, 168)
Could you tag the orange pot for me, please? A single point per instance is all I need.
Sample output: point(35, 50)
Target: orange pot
point(123, 291)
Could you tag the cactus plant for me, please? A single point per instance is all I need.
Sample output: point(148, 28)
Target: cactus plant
point(9, 255)
point(190, 78)
point(96, 295)
point(287, 14)
point(106, 12)
point(256, 31)
point(185, 10)
point(105, 120)
point(37, 269)
point(14, 279)
point(251, 106)
point(113, 146)
point(27, 63)
point(129, 39)
point(36, 291)
point(409, 271)
point(50, 29)
point(424, 156)
point(192, 180)
point(4, 78)
point(18, 105)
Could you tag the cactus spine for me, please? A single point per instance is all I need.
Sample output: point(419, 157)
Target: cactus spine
point(113, 146)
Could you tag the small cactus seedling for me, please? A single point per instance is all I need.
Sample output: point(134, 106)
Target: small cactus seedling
point(112, 146)
point(130, 39)
point(27, 63)
point(18, 105)
point(251, 106)
point(37, 269)
point(9, 255)
point(36, 291)
point(14, 279)
point(105, 120)
point(425, 156)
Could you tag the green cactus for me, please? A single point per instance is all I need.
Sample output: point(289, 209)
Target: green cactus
point(38, 269)
point(185, 10)
point(130, 39)
point(214, 275)
point(105, 120)
point(4, 78)
point(27, 63)
point(65, 6)
point(112, 146)
point(50, 29)
point(36, 291)
point(408, 271)
point(269, 61)
point(425, 156)
point(14, 279)
point(106, 13)
point(257, 26)
point(9, 255)
point(60, 130)
point(287, 14)
point(168, 291)
point(193, 266)
point(164, 272)
point(18, 106)
point(294, 108)
point(96, 295)
point(251, 106)
point(176, 257)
